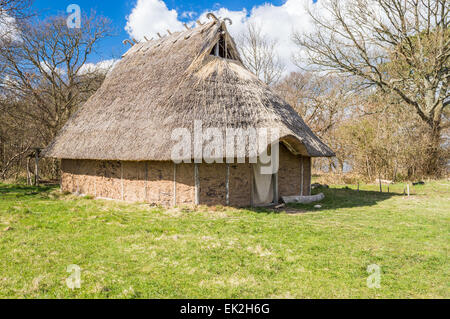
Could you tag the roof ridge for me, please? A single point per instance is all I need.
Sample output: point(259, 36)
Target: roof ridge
point(163, 38)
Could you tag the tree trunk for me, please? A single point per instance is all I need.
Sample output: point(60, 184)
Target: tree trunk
point(433, 151)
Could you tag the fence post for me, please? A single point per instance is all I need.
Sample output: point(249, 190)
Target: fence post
point(36, 167)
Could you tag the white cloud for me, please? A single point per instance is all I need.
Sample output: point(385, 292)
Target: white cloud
point(277, 22)
point(8, 28)
point(102, 66)
point(188, 14)
point(149, 17)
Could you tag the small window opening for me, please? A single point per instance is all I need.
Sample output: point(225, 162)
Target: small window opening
point(221, 49)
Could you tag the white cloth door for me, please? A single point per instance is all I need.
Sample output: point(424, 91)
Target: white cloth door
point(262, 187)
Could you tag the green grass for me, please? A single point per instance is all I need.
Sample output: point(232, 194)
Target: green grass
point(138, 251)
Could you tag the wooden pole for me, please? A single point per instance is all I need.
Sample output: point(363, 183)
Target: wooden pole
point(146, 182)
point(226, 47)
point(29, 182)
point(301, 176)
point(381, 188)
point(121, 180)
point(227, 183)
point(197, 184)
point(275, 188)
point(174, 184)
point(36, 167)
point(358, 186)
point(407, 188)
point(252, 189)
point(216, 49)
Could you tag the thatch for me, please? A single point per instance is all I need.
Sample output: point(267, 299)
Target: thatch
point(168, 83)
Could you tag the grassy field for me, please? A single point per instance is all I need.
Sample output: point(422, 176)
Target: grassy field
point(138, 251)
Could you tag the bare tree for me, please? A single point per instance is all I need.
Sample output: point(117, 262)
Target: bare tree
point(46, 68)
point(45, 77)
point(12, 11)
point(16, 9)
point(400, 46)
point(323, 101)
point(259, 54)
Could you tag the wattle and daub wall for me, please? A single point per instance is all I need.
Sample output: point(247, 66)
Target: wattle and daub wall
point(167, 184)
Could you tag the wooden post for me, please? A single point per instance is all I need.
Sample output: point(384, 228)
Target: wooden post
point(146, 182)
point(275, 188)
point(226, 47)
point(121, 180)
point(358, 186)
point(216, 49)
point(227, 185)
point(407, 188)
point(381, 188)
point(197, 184)
point(301, 176)
point(252, 186)
point(310, 175)
point(29, 182)
point(36, 167)
point(174, 184)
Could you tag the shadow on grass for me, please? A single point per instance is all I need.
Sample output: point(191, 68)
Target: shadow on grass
point(24, 190)
point(335, 198)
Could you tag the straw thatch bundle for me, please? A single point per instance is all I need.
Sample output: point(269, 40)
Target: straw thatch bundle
point(168, 83)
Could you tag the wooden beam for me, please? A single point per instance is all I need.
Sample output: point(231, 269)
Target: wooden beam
point(121, 179)
point(252, 194)
point(310, 174)
point(174, 184)
point(216, 49)
point(226, 47)
point(146, 182)
point(275, 188)
point(227, 183)
point(301, 174)
point(197, 184)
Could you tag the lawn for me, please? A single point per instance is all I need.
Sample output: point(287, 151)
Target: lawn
point(139, 251)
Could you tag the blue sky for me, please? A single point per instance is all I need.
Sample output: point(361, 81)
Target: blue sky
point(117, 10)
point(279, 18)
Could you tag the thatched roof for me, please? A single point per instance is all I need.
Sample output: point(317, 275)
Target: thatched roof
point(167, 83)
